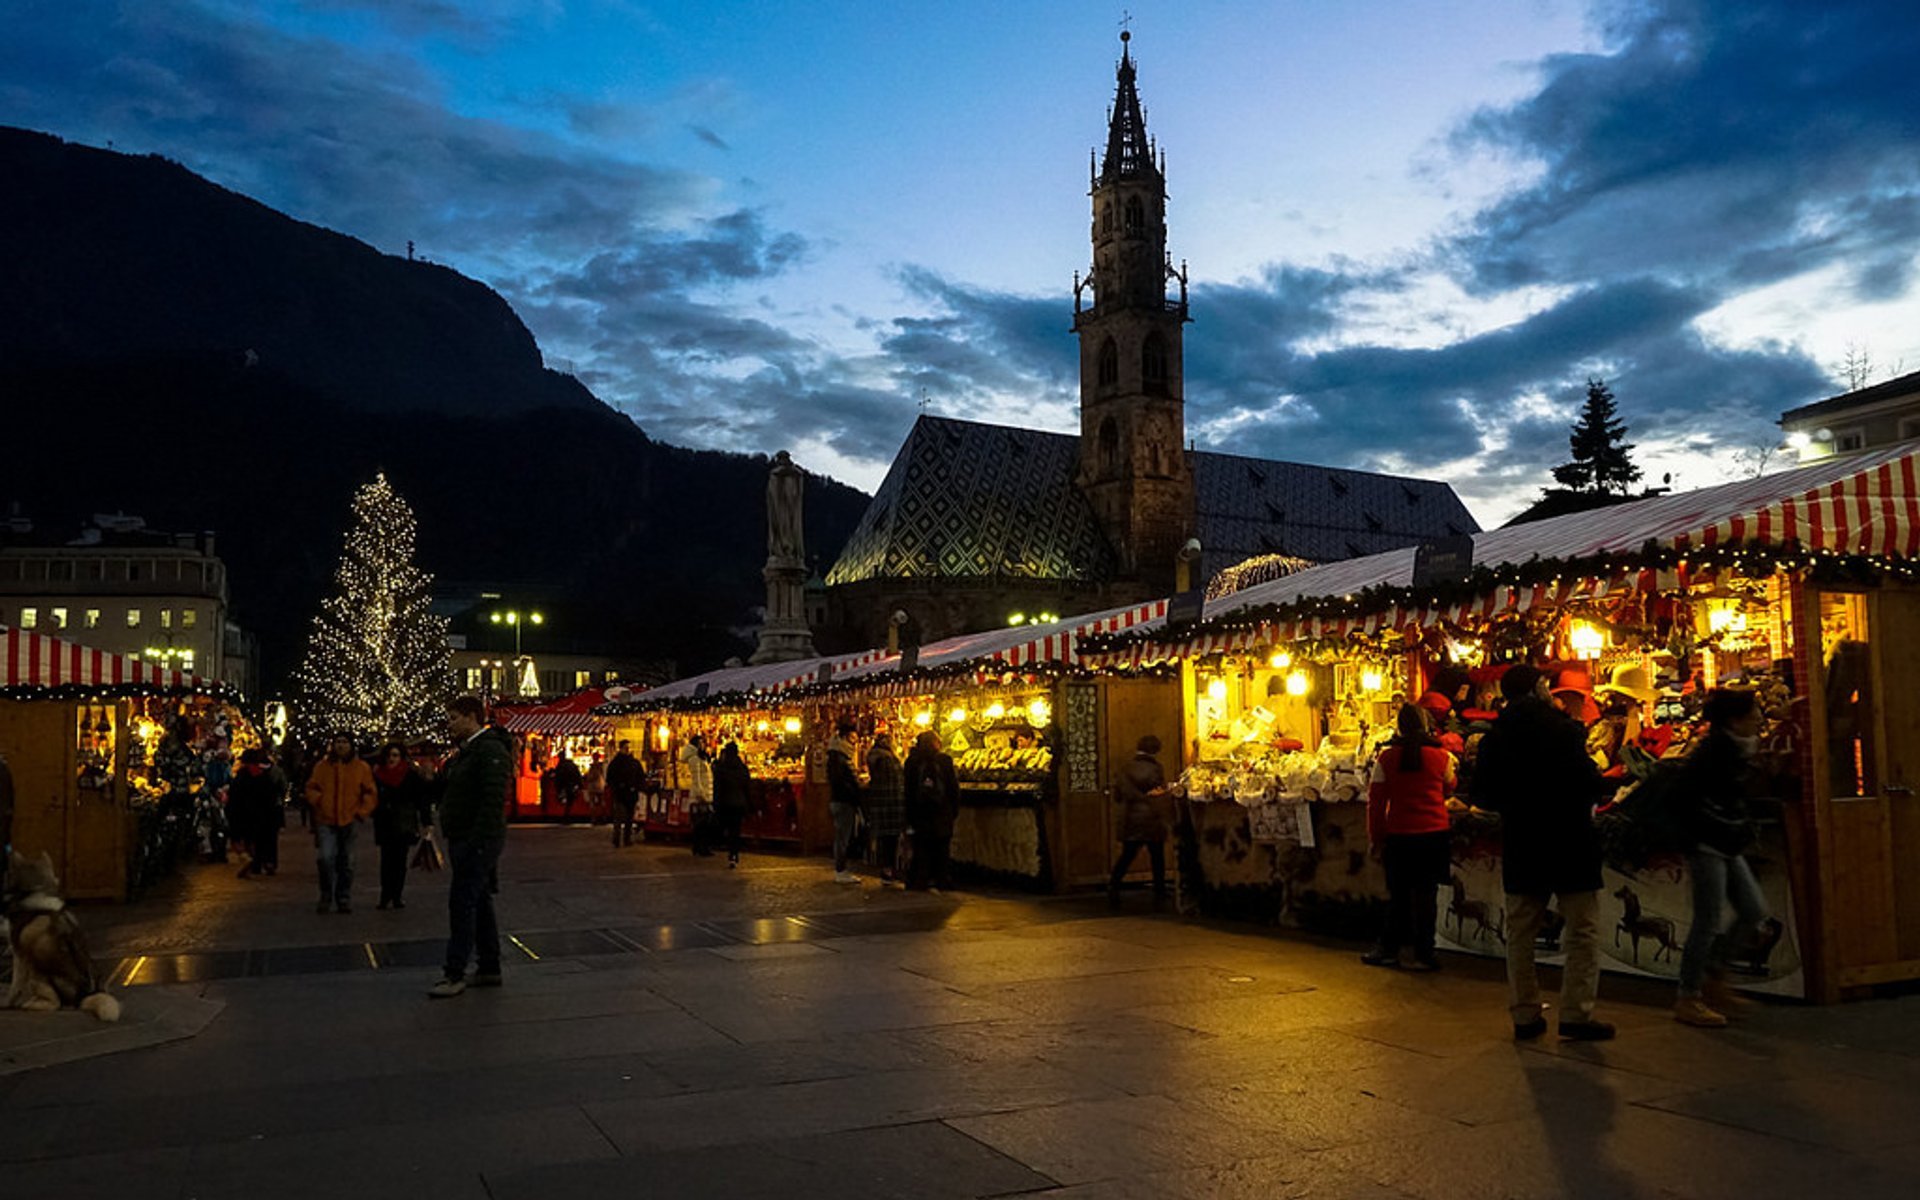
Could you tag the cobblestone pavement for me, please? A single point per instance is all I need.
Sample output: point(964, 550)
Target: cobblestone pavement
point(670, 1028)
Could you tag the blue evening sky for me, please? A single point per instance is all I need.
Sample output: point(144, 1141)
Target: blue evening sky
point(1414, 229)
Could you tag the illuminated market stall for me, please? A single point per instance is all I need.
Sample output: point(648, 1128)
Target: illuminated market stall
point(1799, 586)
point(104, 751)
point(548, 732)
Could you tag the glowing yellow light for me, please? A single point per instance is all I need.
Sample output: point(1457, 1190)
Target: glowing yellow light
point(763, 726)
point(1726, 618)
point(1372, 681)
point(923, 718)
point(1280, 661)
point(1217, 689)
point(1016, 618)
point(791, 725)
point(1587, 639)
point(1039, 711)
point(996, 710)
point(1297, 684)
point(957, 715)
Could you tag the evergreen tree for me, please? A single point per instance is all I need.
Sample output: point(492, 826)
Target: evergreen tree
point(1600, 463)
point(378, 663)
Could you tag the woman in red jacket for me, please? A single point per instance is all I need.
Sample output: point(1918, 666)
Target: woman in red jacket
point(1408, 827)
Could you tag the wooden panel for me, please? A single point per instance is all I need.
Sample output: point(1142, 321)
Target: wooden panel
point(37, 738)
point(1860, 920)
point(1899, 643)
point(1131, 709)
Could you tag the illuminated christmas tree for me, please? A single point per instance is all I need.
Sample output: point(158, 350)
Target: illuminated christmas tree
point(378, 664)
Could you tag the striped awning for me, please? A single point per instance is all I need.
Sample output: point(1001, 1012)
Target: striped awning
point(566, 716)
point(30, 661)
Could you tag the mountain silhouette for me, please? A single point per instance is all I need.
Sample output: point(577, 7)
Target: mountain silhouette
point(172, 349)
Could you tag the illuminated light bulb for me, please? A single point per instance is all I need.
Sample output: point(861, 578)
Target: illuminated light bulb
point(956, 716)
point(996, 710)
point(1372, 681)
point(1217, 689)
point(1039, 711)
point(1297, 684)
point(1016, 618)
point(1586, 639)
point(791, 725)
point(923, 718)
point(1280, 661)
point(763, 726)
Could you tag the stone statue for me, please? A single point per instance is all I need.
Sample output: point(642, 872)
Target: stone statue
point(786, 543)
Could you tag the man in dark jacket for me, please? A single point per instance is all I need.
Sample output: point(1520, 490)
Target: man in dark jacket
point(625, 779)
point(1534, 771)
point(844, 799)
point(473, 816)
point(933, 803)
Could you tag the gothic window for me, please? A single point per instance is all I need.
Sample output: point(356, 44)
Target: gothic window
point(1106, 218)
point(1153, 363)
point(1109, 372)
point(1136, 215)
point(1109, 449)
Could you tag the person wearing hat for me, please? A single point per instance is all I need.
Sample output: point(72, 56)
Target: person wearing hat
point(1573, 692)
point(1534, 771)
point(1625, 700)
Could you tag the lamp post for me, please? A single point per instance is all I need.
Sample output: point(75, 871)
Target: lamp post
point(517, 619)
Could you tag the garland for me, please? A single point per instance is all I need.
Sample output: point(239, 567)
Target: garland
point(115, 691)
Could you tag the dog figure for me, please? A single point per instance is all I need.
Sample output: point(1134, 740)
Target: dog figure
point(51, 966)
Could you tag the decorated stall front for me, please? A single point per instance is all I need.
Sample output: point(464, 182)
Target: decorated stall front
point(106, 753)
point(559, 742)
point(1799, 586)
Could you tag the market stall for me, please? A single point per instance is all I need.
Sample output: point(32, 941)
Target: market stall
point(1799, 586)
point(105, 752)
point(561, 729)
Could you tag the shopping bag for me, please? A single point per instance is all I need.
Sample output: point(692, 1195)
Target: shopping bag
point(427, 857)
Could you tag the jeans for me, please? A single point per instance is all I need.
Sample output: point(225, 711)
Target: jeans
point(1417, 864)
point(729, 821)
point(623, 807)
point(1718, 878)
point(1156, 856)
point(843, 820)
point(393, 869)
point(1579, 978)
point(931, 852)
point(472, 932)
point(333, 853)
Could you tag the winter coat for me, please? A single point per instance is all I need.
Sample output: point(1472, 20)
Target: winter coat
point(1534, 771)
point(625, 778)
point(1143, 818)
point(1409, 802)
point(886, 793)
point(253, 801)
point(402, 809)
point(340, 793)
point(732, 783)
point(473, 808)
point(699, 773)
point(932, 792)
point(1716, 784)
point(842, 784)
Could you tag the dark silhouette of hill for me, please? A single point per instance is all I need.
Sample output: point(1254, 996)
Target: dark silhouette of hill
point(121, 392)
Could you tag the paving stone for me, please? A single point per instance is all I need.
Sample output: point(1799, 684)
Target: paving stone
point(1856, 1115)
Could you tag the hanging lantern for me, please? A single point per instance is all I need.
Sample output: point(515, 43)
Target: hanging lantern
point(1039, 712)
point(791, 725)
point(1217, 689)
point(1280, 661)
point(1586, 639)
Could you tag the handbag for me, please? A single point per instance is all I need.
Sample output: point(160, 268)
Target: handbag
point(427, 857)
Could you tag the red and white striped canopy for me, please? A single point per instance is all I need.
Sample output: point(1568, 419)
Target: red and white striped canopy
point(29, 660)
point(567, 716)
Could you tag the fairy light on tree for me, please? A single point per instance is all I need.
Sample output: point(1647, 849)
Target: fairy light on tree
point(378, 663)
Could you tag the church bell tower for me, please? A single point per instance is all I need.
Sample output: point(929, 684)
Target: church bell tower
point(1133, 462)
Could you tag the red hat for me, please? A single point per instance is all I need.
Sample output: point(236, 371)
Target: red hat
point(1435, 702)
point(1575, 680)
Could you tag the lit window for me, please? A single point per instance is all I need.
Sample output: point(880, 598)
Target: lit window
point(166, 618)
point(29, 617)
point(59, 618)
point(133, 618)
point(189, 617)
point(582, 679)
point(186, 659)
point(93, 618)
point(474, 679)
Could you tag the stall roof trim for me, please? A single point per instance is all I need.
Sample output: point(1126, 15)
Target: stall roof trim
point(32, 662)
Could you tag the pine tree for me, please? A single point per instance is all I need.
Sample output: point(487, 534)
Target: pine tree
point(1600, 463)
point(378, 664)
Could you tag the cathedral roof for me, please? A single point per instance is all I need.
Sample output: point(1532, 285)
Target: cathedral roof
point(968, 500)
point(1129, 152)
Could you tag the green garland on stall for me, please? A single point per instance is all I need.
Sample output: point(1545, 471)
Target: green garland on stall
point(116, 691)
point(1825, 566)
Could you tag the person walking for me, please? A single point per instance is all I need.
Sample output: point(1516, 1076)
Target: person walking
point(340, 796)
point(1534, 771)
point(933, 802)
point(473, 816)
point(732, 791)
point(625, 778)
point(699, 780)
point(885, 805)
point(843, 786)
point(1141, 792)
point(254, 810)
point(401, 813)
point(1716, 784)
point(1409, 829)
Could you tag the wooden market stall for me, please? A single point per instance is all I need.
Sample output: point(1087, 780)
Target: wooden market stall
point(1804, 586)
point(82, 732)
point(565, 727)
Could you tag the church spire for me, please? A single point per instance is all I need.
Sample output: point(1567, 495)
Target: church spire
point(1129, 152)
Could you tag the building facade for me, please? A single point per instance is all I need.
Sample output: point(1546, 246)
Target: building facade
point(1864, 419)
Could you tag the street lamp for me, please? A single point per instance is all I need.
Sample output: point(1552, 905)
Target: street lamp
point(517, 619)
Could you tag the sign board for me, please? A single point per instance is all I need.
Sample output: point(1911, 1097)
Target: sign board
point(1449, 560)
point(1183, 608)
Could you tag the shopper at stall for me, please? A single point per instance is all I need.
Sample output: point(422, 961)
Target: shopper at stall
point(254, 811)
point(1141, 792)
point(732, 790)
point(1409, 828)
point(843, 787)
point(401, 812)
point(340, 797)
point(1717, 782)
point(1534, 771)
point(595, 783)
point(885, 804)
point(625, 778)
point(933, 802)
point(473, 816)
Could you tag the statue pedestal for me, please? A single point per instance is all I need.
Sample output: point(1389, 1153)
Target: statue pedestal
point(786, 636)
